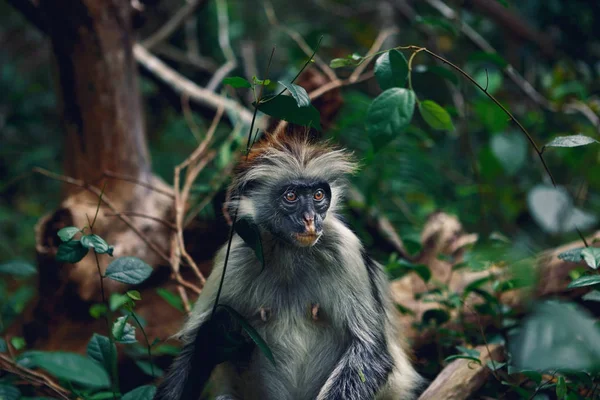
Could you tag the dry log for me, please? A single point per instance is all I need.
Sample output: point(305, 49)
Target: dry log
point(461, 378)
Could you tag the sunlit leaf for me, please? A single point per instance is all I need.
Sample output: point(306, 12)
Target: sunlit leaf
point(591, 255)
point(557, 336)
point(98, 310)
point(594, 295)
point(117, 300)
point(18, 268)
point(237, 82)
point(18, 342)
point(95, 242)
point(587, 280)
point(298, 93)
point(571, 141)
point(129, 270)
point(134, 295)
point(391, 70)
point(123, 332)
point(490, 79)
point(67, 233)
point(389, 115)
point(435, 116)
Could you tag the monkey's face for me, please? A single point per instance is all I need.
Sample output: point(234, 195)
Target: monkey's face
point(300, 208)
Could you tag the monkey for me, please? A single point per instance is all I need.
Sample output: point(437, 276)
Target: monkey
point(319, 301)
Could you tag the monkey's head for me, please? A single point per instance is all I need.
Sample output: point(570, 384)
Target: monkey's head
point(287, 186)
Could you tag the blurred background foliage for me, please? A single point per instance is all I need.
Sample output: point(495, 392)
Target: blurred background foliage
point(484, 171)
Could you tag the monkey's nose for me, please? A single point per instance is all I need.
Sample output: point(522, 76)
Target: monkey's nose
point(309, 218)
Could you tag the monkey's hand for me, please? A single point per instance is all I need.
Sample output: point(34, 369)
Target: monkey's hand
point(360, 373)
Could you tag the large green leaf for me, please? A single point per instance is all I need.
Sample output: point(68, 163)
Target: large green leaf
point(391, 70)
point(286, 108)
point(298, 93)
point(8, 392)
point(389, 115)
point(100, 349)
point(435, 116)
point(573, 255)
point(141, 393)
point(69, 366)
point(18, 268)
point(129, 270)
point(71, 252)
point(583, 281)
point(250, 234)
point(591, 256)
point(557, 336)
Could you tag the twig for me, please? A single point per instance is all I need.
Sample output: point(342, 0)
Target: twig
point(225, 45)
point(381, 38)
point(128, 178)
point(195, 60)
point(183, 85)
point(34, 377)
point(106, 201)
point(168, 224)
point(296, 37)
point(173, 23)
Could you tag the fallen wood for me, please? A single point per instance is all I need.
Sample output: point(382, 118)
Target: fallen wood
point(461, 378)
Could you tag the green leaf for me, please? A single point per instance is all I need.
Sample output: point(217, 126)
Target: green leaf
point(171, 298)
point(71, 252)
point(237, 82)
point(100, 349)
point(298, 93)
point(435, 116)
point(437, 316)
point(67, 233)
point(391, 70)
point(18, 342)
point(573, 255)
point(257, 81)
point(250, 234)
point(583, 281)
point(18, 268)
point(95, 242)
point(141, 393)
point(389, 115)
point(490, 79)
point(98, 310)
point(3, 346)
point(134, 295)
point(591, 256)
point(118, 300)
point(557, 336)
point(129, 270)
point(510, 149)
point(594, 295)
point(561, 388)
point(123, 332)
point(571, 141)
point(254, 335)
point(353, 60)
point(285, 108)
point(69, 366)
point(147, 368)
point(8, 392)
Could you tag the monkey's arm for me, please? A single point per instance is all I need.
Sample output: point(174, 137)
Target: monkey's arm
point(367, 362)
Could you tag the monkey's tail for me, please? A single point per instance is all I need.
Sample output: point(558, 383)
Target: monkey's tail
point(188, 373)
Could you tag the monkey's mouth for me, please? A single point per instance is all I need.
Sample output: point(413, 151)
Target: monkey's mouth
point(307, 239)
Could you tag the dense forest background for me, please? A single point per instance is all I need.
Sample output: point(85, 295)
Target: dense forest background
point(486, 221)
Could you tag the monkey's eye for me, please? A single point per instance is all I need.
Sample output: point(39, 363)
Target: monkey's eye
point(319, 195)
point(290, 196)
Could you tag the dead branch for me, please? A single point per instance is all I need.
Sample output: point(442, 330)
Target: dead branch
point(191, 58)
point(33, 377)
point(173, 23)
point(461, 378)
point(168, 224)
point(132, 179)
